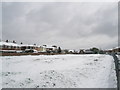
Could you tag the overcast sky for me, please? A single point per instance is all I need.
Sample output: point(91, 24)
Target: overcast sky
point(69, 25)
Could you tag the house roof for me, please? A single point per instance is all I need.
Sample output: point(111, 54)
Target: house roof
point(8, 44)
point(14, 44)
point(21, 45)
point(27, 45)
point(116, 47)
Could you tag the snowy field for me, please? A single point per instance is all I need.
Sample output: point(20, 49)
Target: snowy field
point(58, 71)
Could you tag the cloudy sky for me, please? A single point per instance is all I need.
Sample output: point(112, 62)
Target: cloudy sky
point(67, 24)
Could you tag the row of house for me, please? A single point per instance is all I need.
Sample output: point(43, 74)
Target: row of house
point(81, 51)
point(13, 47)
point(115, 50)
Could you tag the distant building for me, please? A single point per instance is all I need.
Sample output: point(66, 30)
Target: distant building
point(115, 50)
point(41, 49)
point(9, 46)
point(71, 51)
point(51, 49)
point(24, 47)
point(81, 51)
point(88, 51)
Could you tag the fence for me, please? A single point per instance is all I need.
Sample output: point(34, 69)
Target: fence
point(117, 65)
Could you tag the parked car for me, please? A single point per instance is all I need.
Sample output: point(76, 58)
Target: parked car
point(31, 51)
point(19, 51)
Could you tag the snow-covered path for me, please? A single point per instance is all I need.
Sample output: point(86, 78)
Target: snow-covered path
point(58, 71)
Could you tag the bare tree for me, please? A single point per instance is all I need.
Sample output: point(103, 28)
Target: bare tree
point(7, 41)
point(59, 50)
point(14, 41)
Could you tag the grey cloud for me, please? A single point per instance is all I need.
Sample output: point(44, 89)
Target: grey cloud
point(11, 11)
point(107, 21)
point(64, 24)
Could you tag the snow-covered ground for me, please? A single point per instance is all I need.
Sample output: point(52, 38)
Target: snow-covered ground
point(58, 71)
